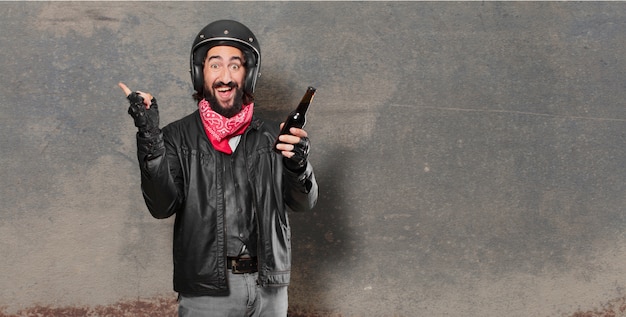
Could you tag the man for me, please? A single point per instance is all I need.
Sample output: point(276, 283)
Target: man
point(216, 170)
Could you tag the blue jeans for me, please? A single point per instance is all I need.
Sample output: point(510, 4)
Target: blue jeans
point(246, 299)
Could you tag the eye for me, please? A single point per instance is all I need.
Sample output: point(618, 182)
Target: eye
point(235, 66)
point(214, 66)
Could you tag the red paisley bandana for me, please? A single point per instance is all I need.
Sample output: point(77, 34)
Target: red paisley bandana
point(220, 129)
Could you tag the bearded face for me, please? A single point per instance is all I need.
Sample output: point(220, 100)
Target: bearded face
point(225, 110)
point(224, 79)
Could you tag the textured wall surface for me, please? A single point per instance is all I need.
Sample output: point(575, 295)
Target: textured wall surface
point(470, 155)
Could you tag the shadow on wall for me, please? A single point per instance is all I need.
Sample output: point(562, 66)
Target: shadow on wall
point(322, 240)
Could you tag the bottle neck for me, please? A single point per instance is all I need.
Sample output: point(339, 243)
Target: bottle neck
point(302, 108)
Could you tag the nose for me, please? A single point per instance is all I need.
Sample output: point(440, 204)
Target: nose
point(225, 75)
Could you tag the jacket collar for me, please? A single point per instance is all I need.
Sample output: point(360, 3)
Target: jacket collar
point(256, 123)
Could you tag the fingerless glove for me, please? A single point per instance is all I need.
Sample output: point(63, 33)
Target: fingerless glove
point(297, 163)
point(146, 120)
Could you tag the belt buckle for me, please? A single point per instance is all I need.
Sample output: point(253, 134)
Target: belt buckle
point(241, 266)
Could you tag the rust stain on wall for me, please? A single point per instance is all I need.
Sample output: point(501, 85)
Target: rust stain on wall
point(159, 306)
point(151, 307)
point(614, 308)
point(167, 306)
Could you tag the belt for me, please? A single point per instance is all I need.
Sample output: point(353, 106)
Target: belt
point(242, 265)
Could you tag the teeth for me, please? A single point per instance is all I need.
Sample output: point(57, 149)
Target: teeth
point(224, 89)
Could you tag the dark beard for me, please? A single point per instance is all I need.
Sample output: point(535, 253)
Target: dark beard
point(226, 112)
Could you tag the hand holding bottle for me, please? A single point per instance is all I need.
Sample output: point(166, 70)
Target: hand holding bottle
point(293, 142)
point(295, 148)
point(297, 118)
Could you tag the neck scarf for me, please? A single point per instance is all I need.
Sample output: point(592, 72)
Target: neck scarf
point(220, 129)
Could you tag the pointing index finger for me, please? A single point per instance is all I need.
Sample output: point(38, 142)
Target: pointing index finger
point(125, 88)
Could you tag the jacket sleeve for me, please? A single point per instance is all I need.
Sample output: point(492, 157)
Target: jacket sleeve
point(300, 189)
point(160, 173)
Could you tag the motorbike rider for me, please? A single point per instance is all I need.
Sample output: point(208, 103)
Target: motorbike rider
point(216, 171)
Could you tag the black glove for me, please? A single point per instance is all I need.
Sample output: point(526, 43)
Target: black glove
point(301, 152)
point(147, 120)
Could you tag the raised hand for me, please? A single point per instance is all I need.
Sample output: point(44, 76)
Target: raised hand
point(143, 108)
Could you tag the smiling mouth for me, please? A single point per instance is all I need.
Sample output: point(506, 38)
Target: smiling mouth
point(224, 89)
point(225, 93)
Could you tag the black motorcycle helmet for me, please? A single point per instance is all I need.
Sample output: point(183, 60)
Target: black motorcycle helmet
point(230, 33)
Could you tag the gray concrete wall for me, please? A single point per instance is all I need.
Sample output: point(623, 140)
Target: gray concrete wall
point(470, 155)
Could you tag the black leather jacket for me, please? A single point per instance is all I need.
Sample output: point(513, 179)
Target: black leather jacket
point(181, 174)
